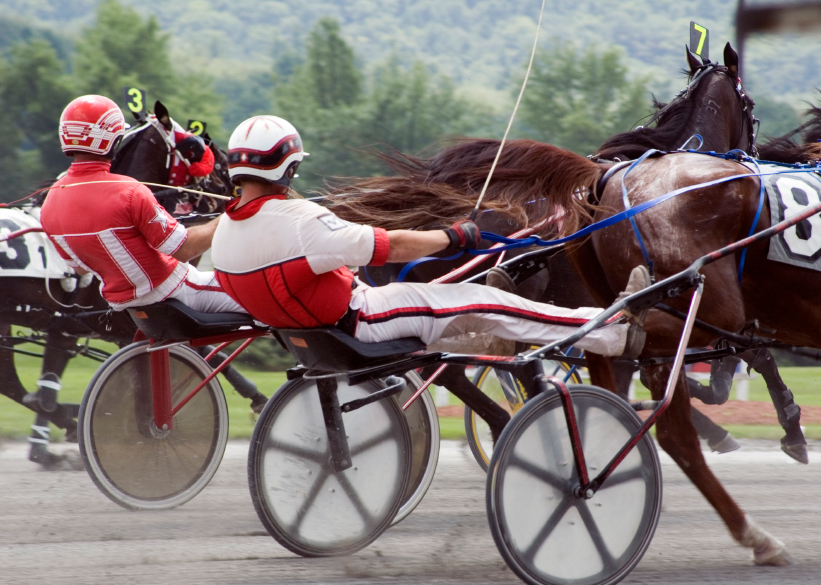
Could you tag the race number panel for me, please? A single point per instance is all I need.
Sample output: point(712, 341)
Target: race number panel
point(699, 40)
point(789, 195)
point(31, 255)
point(135, 101)
point(197, 127)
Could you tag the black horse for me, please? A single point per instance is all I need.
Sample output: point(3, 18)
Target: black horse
point(62, 310)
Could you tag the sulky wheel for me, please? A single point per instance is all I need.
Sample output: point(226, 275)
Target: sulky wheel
point(133, 462)
point(506, 391)
point(423, 422)
point(546, 533)
point(306, 506)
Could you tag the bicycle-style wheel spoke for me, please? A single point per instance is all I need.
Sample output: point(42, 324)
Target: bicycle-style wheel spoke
point(352, 494)
point(549, 526)
point(386, 435)
point(620, 477)
point(310, 498)
point(595, 533)
point(298, 451)
point(544, 475)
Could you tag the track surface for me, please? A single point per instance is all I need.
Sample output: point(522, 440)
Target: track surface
point(57, 528)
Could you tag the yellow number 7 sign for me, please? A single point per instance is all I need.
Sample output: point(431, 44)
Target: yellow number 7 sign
point(699, 40)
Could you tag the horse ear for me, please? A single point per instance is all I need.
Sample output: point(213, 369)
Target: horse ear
point(731, 59)
point(162, 114)
point(693, 61)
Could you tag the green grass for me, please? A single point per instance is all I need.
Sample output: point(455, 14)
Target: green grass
point(16, 420)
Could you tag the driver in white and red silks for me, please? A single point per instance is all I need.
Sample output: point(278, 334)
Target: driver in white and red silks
point(112, 226)
point(285, 260)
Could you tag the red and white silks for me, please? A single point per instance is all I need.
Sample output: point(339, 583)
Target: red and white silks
point(434, 312)
point(202, 292)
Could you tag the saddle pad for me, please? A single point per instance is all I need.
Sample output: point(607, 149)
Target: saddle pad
point(788, 195)
point(32, 255)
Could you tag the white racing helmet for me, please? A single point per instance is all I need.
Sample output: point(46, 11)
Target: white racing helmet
point(266, 148)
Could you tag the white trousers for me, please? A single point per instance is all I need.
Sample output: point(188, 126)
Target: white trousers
point(440, 311)
point(202, 292)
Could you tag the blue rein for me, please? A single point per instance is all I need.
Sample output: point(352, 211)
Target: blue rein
point(628, 213)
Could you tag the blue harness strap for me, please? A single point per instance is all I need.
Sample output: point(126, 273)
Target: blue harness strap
point(626, 200)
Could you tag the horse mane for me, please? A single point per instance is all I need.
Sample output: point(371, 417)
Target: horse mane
point(532, 182)
point(632, 144)
point(785, 149)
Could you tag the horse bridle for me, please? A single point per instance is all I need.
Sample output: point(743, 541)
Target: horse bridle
point(747, 102)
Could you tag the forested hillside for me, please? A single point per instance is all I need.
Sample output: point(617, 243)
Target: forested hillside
point(415, 71)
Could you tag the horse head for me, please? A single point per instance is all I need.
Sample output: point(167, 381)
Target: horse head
point(146, 153)
point(713, 106)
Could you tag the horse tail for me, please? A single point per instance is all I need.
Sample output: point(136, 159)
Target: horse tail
point(532, 182)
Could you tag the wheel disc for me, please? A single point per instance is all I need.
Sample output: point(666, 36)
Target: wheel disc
point(132, 461)
point(304, 504)
point(423, 423)
point(544, 531)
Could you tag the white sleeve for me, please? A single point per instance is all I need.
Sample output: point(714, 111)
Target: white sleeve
point(330, 242)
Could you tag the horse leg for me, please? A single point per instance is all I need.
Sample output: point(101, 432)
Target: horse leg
point(676, 435)
point(789, 413)
point(623, 371)
point(244, 387)
point(719, 439)
point(602, 373)
point(454, 379)
point(59, 349)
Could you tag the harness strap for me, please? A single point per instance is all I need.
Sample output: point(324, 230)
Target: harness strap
point(626, 200)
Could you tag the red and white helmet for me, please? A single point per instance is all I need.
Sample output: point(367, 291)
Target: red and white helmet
point(91, 123)
point(267, 148)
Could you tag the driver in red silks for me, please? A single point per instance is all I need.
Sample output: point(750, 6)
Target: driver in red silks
point(112, 226)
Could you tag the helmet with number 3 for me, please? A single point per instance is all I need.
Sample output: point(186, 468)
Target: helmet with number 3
point(91, 123)
point(265, 148)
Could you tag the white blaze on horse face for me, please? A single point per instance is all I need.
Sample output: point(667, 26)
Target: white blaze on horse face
point(787, 187)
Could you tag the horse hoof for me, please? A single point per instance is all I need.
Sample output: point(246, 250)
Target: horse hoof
point(68, 461)
point(775, 555)
point(797, 451)
point(725, 445)
point(258, 402)
point(767, 550)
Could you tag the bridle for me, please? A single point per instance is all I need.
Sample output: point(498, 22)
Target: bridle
point(747, 103)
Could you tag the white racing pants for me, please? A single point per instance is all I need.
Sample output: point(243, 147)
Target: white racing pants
point(202, 292)
point(439, 311)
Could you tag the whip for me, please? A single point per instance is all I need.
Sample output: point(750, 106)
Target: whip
point(510, 123)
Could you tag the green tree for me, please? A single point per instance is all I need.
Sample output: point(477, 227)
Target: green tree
point(35, 89)
point(334, 78)
point(123, 50)
point(406, 108)
point(777, 117)
point(578, 99)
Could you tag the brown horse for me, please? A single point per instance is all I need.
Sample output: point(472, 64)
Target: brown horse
point(676, 233)
point(712, 106)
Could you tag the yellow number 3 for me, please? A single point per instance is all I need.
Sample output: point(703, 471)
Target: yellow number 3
point(136, 104)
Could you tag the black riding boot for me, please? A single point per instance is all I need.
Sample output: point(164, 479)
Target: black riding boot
point(789, 413)
point(244, 387)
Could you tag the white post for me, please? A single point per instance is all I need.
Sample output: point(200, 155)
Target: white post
point(441, 396)
point(742, 389)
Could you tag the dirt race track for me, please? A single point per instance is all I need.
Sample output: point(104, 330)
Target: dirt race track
point(57, 528)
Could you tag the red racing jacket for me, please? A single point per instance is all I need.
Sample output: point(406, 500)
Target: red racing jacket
point(117, 231)
point(285, 261)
